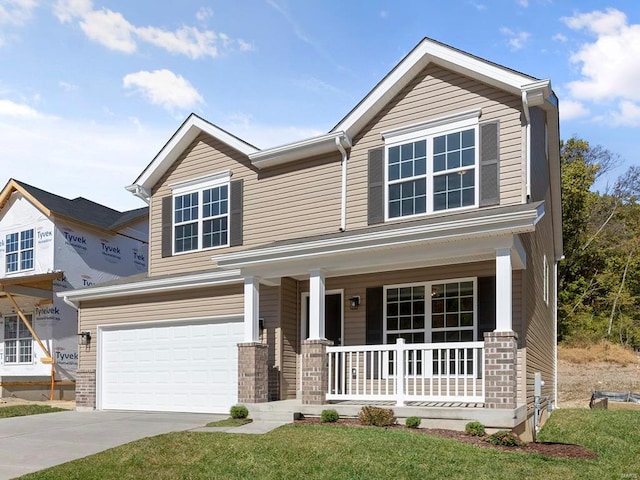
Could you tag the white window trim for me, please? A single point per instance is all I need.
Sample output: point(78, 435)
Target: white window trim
point(428, 331)
point(17, 340)
point(413, 134)
point(198, 185)
point(19, 252)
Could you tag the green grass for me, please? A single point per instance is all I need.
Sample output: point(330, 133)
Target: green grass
point(230, 422)
point(23, 410)
point(340, 452)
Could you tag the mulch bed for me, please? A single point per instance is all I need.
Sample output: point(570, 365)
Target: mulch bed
point(558, 450)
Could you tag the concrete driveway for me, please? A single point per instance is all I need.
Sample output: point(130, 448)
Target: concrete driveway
point(29, 444)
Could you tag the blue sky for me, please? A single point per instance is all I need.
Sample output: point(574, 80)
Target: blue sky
point(90, 90)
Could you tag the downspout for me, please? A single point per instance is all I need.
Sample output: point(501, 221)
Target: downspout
point(527, 154)
point(343, 205)
point(555, 329)
point(71, 303)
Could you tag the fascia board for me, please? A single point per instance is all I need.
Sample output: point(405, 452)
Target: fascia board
point(521, 222)
point(187, 133)
point(302, 149)
point(154, 286)
point(425, 53)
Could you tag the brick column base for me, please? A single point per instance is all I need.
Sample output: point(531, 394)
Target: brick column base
point(500, 366)
point(253, 374)
point(314, 371)
point(86, 389)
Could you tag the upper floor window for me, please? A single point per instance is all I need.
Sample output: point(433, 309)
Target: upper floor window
point(201, 218)
point(431, 169)
point(19, 251)
point(18, 342)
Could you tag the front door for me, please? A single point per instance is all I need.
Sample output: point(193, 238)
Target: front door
point(332, 317)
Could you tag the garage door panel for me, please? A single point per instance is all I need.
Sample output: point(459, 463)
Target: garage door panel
point(186, 367)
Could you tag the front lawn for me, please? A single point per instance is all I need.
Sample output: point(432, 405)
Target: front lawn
point(317, 451)
point(30, 409)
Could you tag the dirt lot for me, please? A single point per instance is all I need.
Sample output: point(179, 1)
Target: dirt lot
point(576, 380)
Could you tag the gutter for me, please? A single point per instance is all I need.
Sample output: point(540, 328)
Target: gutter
point(69, 302)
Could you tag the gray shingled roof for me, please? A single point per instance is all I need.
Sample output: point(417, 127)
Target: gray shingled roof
point(83, 210)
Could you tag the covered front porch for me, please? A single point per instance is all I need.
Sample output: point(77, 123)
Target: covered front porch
point(426, 312)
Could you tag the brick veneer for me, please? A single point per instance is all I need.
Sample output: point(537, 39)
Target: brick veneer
point(253, 374)
point(314, 371)
point(500, 365)
point(86, 389)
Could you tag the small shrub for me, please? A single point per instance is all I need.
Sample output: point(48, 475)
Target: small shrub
point(376, 416)
point(412, 422)
point(504, 438)
point(239, 411)
point(329, 416)
point(475, 429)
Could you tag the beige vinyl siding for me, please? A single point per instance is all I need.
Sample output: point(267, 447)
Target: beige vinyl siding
point(276, 203)
point(355, 320)
point(270, 313)
point(200, 303)
point(290, 343)
point(540, 337)
point(437, 92)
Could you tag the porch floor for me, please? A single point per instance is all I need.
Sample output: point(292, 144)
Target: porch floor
point(391, 403)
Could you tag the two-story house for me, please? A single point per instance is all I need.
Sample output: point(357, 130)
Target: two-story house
point(405, 257)
point(51, 244)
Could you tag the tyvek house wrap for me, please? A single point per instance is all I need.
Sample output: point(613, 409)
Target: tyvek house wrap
point(86, 257)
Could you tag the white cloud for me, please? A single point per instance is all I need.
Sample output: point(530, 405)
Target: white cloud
point(559, 37)
point(523, 3)
point(570, 109)
point(16, 12)
point(110, 29)
point(80, 158)
point(607, 64)
point(515, 40)
point(66, 86)
point(12, 109)
point(384, 14)
point(477, 5)
point(188, 41)
point(164, 88)
point(628, 114)
point(67, 10)
point(204, 14)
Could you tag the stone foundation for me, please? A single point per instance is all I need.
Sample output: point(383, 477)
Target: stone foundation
point(253, 372)
point(314, 371)
point(500, 364)
point(86, 389)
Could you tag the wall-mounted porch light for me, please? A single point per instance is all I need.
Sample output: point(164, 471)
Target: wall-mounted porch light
point(84, 338)
point(354, 302)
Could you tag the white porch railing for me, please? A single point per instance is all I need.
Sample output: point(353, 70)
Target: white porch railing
point(446, 372)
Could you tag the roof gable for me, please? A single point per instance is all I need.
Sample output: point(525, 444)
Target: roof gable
point(78, 209)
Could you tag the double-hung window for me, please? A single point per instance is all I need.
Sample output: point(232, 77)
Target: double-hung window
point(19, 251)
point(18, 342)
point(432, 167)
point(436, 312)
point(201, 215)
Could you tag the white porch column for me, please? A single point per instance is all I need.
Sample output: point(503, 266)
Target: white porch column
point(504, 297)
point(251, 309)
point(316, 304)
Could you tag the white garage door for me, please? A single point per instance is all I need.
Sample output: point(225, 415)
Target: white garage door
point(185, 367)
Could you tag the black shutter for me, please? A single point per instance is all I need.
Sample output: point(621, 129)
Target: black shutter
point(486, 306)
point(489, 164)
point(235, 213)
point(167, 226)
point(376, 186)
point(374, 327)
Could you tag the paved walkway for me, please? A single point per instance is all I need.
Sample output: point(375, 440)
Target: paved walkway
point(29, 444)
